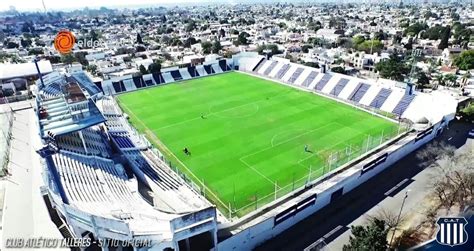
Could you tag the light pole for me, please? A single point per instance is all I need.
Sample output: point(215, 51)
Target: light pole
point(398, 218)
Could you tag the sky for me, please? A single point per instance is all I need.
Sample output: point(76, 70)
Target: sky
point(33, 5)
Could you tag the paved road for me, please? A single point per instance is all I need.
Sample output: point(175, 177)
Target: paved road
point(25, 214)
point(354, 207)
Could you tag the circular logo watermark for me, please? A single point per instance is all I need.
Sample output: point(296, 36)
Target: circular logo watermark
point(64, 41)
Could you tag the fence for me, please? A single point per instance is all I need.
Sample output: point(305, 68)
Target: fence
point(6, 125)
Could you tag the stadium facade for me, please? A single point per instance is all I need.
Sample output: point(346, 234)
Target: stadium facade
point(105, 181)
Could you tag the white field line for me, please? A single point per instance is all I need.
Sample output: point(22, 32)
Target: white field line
point(267, 148)
point(171, 153)
point(258, 172)
point(225, 110)
point(285, 141)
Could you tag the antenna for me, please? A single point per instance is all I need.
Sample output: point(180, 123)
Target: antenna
point(44, 6)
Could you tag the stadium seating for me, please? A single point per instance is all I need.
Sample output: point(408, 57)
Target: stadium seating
point(167, 77)
point(158, 77)
point(92, 179)
point(184, 73)
point(259, 64)
point(123, 141)
point(94, 143)
point(208, 69)
point(193, 71)
point(129, 85)
point(200, 70)
point(339, 86)
point(138, 81)
point(378, 101)
point(216, 68)
point(52, 90)
point(403, 104)
point(176, 75)
point(295, 75)
point(359, 92)
point(324, 80)
point(310, 78)
point(223, 65)
point(270, 67)
point(118, 86)
point(282, 71)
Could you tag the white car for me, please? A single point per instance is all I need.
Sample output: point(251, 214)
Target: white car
point(471, 133)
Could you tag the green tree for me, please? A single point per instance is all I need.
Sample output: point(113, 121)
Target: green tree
point(206, 47)
point(415, 28)
point(154, 67)
point(305, 48)
point(143, 70)
point(216, 46)
point(422, 79)
point(392, 68)
point(68, 58)
point(242, 38)
point(92, 68)
point(370, 237)
point(465, 61)
point(357, 40)
point(451, 79)
point(468, 112)
point(370, 46)
point(338, 69)
point(445, 34)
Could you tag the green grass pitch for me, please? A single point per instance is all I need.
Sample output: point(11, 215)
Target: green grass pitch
point(252, 136)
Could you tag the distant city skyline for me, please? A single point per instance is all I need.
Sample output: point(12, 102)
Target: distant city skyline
point(37, 5)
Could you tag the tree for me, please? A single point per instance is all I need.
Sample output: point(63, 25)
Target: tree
point(143, 70)
point(451, 79)
point(154, 67)
point(465, 61)
point(392, 68)
point(216, 46)
point(305, 48)
point(445, 34)
point(422, 79)
point(139, 39)
point(190, 41)
point(36, 51)
point(371, 237)
point(370, 46)
point(468, 112)
point(357, 40)
point(25, 42)
point(452, 181)
point(68, 58)
point(92, 68)
point(338, 69)
point(415, 28)
point(206, 47)
point(242, 38)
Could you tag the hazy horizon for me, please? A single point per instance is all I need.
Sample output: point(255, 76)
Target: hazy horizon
point(37, 5)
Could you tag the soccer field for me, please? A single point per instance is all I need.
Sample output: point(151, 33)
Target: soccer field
point(249, 136)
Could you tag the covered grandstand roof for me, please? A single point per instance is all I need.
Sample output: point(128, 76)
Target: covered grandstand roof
point(57, 118)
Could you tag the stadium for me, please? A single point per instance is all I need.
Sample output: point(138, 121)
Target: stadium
point(219, 156)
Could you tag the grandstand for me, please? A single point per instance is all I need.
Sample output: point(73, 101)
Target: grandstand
point(115, 167)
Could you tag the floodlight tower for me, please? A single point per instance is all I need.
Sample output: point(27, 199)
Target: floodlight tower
point(411, 79)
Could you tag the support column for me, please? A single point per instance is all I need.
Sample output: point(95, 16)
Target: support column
point(83, 142)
